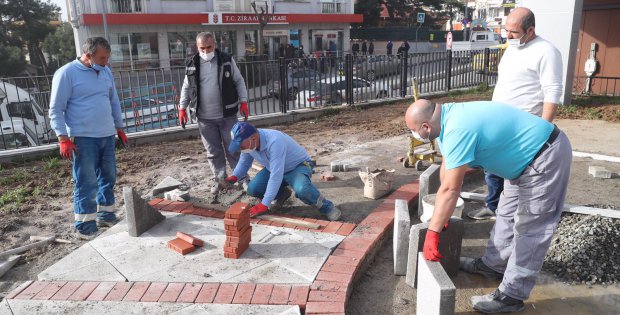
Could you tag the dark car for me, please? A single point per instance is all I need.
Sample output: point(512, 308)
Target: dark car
point(298, 80)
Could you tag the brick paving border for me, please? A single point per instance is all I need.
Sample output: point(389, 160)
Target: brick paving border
point(328, 294)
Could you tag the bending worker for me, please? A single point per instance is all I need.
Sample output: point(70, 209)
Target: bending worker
point(285, 163)
point(532, 155)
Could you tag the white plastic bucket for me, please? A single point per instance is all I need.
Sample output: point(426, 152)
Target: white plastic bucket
point(428, 206)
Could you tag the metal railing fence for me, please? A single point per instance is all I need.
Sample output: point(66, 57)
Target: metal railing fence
point(150, 98)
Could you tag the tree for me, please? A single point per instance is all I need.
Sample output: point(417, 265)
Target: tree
point(399, 8)
point(26, 23)
point(12, 61)
point(263, 19)
point(60, 46)
point(371, 10)
point(447, 8)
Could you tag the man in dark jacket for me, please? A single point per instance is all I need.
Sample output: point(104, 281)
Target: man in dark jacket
point(214, 91)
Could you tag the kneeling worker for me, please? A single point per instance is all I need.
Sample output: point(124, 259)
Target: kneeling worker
point(286, 163)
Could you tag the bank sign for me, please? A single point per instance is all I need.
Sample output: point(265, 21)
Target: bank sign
point(244, 18)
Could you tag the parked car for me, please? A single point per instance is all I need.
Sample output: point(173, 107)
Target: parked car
point(298, 80)
point(332, 90)
point(373, 67)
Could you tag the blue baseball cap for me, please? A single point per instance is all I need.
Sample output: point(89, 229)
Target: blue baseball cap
point(240, 131)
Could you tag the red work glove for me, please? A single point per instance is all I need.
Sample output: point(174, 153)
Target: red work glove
point(243, 110)
point(121, 135)
point(431, 252)
point(231, 179)
point(258, 210)
point(182, 117)
point(66, 148)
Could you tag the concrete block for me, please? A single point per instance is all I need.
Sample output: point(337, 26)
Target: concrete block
point(599, 172)
point(177, 195)
point(165, 185)
point(327, 176)
point(402, 224)
point(436, 294)
point(449, 246)
point(140, 215)
point(429, 184)
point(337, 166)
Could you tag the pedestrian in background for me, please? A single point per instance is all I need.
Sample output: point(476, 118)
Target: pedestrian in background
point(84, 106)
point(214, 90)
point(529, 78)
point(388, 48)
point(364, 48)
point(371, 48)
point(355, 48)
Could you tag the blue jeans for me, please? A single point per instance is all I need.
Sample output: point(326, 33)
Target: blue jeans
point(94, 174)
point(299, 180)
point(496, 186)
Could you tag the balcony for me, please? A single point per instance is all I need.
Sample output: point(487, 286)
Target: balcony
point(126, 6)
point(332, 7)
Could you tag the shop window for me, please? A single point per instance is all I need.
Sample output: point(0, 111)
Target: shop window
point(251, 43)
point(120, 58)
point(181, 46)
point(144, 50)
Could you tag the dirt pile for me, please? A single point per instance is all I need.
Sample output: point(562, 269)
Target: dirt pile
point(585, 249)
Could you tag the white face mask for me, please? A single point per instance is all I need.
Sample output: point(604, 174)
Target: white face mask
point(207, 56)
point(517, 42)
point(249, 150)
point(419, 138)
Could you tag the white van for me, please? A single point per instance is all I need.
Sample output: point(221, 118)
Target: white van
point(17, 104)
point(478, 40)
point(13, 135)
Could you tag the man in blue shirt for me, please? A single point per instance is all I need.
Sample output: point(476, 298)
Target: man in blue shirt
point(532, 155)
point(286, 163)
point(84, 106)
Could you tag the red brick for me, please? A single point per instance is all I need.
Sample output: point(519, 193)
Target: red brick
point(172, 292)
point(218, 215)
point(189, 293)
point(137, 291)
point(339, 268)
point(162, 204)
point(263, 222)
point(332, 227)
point(327, 296)
point(280, 294)
point(83, 291)
point(245, 236)
point(232, 256)
point(262, 293)
point(153, 202)
point(207, 293)
point(175, 206)
point(65, 292)
point(324, 307)
point(190, 239)
point(323, 224)
point(237, 211)
point(348, 253)
point(237, 244)
point(101, 291)
point(154, 292)
point(50, 289)
point(327, 176)
point(288, 225)
point(239, 233)
point(309, 220)
point(277, 224)
point(238, 223)
point(332, 276)
point(31, 290)
point(356, 243)
point(236, 250)
point(299, 296)
point(373, 220)
point(329, 286)
point(244, 293)
point(346, 229)
point(180, 246)
point(19, 289)
point(302, 228)
point(225, 293)
point(119, 291)
point(350, 261)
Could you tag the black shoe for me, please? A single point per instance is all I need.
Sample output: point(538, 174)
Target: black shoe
point(278, 203)
point(472, 265)
point(496, 302)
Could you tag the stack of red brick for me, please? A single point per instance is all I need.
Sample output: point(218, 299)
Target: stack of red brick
point(184, 243)
point(238, 230)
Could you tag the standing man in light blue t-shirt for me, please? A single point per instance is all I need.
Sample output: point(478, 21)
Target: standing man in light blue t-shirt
point(535, 158)
point(84, 106)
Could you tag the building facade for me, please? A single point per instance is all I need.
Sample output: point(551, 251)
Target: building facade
point(161, 33)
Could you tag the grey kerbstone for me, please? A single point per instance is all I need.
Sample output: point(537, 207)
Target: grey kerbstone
point(177, 195)
point(140, 215)
point(599, 172)
point(167, 184)
point(449, 246)
point(436, 294)
point(429, 184)
point(402, 224)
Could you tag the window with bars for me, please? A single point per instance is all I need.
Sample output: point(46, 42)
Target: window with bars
point(126, 6)
point(331, 7)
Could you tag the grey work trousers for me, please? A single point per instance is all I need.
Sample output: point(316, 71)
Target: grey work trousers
point(216, 137)
point(527, 215)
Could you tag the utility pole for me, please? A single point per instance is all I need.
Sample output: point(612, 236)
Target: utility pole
point(467, 19)
point(105, 20)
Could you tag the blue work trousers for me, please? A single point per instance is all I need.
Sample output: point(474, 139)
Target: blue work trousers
point(496, 186)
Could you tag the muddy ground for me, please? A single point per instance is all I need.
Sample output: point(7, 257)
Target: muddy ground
point(35, 196)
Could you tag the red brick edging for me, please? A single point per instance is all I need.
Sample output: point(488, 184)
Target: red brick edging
point(328, 294)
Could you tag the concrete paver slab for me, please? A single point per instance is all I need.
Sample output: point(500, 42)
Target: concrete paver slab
point(271, 272)
point(41, 307)
point(85, 263)
point(4, 308)
point(236, 309)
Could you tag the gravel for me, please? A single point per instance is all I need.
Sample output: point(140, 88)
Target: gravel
point(585, 249)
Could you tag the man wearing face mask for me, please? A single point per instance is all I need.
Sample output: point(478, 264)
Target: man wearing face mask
point(215, 91)
point(85, 113)
point(535, 158)
point(529, 78)
point(285, 163)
